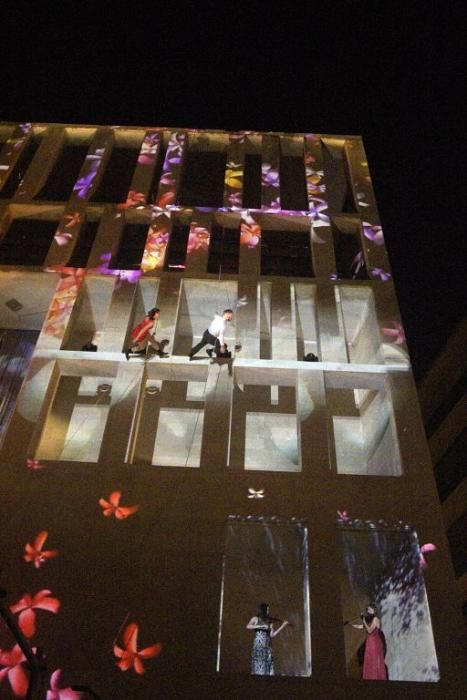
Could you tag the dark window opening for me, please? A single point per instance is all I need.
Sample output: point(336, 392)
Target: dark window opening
point(19, 170)
point(64, 174)
point(293, 183)
point(202, 182)
point(27, 242)
point(224, 246)
point(338, 184)
point(350, 261)
point(85, 242)
point(130, 251)
point(458, 544)
point(176, 253)
point(286, 253)
point(450, 470)
point(117, 177)
point(252, 181)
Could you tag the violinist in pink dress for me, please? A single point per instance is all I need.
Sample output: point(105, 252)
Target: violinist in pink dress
point(374, 667)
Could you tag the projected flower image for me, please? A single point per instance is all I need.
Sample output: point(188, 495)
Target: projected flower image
point(250, 232)
point(130, 657)
point(113, 507)
point(198, 239)
point(27, 606)
point(34, 552)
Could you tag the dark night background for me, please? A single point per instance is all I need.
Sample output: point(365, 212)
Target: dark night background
point(392, 72)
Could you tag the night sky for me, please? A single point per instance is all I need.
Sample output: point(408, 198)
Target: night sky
point(391, 72)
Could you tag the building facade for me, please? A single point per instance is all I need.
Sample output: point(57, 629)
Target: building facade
point(152, 504)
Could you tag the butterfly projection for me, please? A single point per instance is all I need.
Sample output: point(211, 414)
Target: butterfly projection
point(255, 494)
point(423, 550)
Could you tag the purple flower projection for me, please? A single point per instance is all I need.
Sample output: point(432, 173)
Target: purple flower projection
point(85, 182)
point(269, 176)
point(358, 263)
point(317, 209)
point(129, 276)
point(373, 232)
point(380, 274)
point(198, 240)
point(171, 169)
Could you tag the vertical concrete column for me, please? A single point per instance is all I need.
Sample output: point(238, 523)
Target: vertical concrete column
point(172, 169)
point(13, 149)
point(312, 422)
point(371, 229)
point(247, 317)
point(114, 332)
point(233, 179)
point(57, 322)
point(391, 331)
point(330, 333)
point(107, 239)
point(125, 390)
point(32, 406)
point(58, 419)
point(140, 187)
point(168, 298)
point(197, 252)
point(216, 417)
point(283, 328)
point(157, 242)
point(270, 180)
point(74, 215)
point(324, 264)
point(42, 164)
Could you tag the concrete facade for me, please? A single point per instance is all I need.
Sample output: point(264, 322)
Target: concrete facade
point(324, 465)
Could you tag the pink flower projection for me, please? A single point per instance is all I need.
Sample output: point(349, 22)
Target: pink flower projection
point(34, 464)
point(62, 238)
point(13, 669)
point(113, 507)
point(423, 550)
point(171, 169)
point(57, 693)
point(34, 552)
point(129, 656)
point(250, 232)
point(27, 606)
point(198, 238)
point(343, 516)
point(134, 199)
point(63, 300)
point(397, 333)
point(149, 147)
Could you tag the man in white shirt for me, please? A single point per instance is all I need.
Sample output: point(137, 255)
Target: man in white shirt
point(214, 335)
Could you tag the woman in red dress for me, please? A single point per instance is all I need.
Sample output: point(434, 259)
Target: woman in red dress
point(374, 667)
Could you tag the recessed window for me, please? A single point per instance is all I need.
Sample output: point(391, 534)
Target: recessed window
point(265, 562)
point(20, 167)
point(252, 181)
point(64, 174)
point(82, 250)
point(382, 569)
point(131, 248)
point(27, 242)
point(293, 183)
point(286, 253)
point(202, 183)
point(264, 429)
point(224, 248)
point(364, 432)
point(117, 177)
point(171, 424)
point(75, 424)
